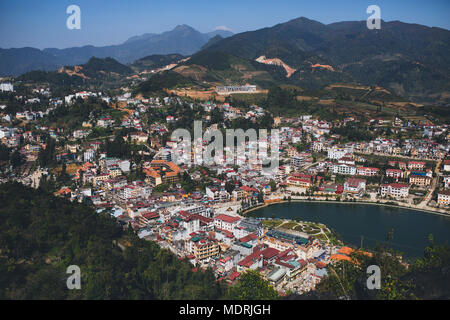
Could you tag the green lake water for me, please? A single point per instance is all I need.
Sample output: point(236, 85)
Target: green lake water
point(372, 222)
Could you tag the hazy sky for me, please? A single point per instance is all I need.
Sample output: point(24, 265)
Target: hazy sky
point(42, 23)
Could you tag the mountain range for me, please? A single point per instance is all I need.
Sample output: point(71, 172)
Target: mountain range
point(183, 40)
point(408, 59)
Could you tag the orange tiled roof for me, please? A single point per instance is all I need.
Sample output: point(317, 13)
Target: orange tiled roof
point(346, 250)
point(340, 257)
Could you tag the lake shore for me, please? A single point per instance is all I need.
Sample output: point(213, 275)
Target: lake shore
point(439, 213)
point(356, 224)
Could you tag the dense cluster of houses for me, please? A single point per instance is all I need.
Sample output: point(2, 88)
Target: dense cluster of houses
point(204, 226)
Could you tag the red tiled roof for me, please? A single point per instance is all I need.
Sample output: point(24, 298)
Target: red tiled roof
point(248, 189)
point(250, 259)
point(269, 253)
point(234, 275)
point(151, 215)
point(396, 185)
point(248, 237)
point(227, 218)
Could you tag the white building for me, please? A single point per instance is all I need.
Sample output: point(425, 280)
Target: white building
point(89, 155)
point(5, 133)
point(447, 165)
point(344, 169)
point(337, 152)
point(198, 209)
point(447, 182)
point(6, 86)
point(355, 185)
point(217, 195)
point(395, 190)
point(226, 222)
point(68, 99)
point(444, 197)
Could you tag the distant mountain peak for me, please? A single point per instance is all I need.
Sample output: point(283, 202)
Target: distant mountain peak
point(305, 22)
point(213, 40)
point(183, 27)
point(144, 36)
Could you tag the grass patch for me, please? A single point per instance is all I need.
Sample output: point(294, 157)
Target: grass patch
point(272, 223)
point(289, 225)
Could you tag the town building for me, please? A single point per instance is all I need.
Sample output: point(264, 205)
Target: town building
point(395, 190)
point(444, 197)
point(344, 169)
point(355, 186)
point(419, 180)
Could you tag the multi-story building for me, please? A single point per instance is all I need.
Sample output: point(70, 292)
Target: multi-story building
point(444, 197)
point(298, 182)
point(447, 182)
point(416, 165)
point(161, 171)
point(238, 194)
point(252, 225)
point(366, 171)
point(394, 173)
point(355, 185)
point(446, 165)
point(235, 89)
point(337, 152)
point(419, 180)
point(191, 222)
point(252, 261)
point(344, 169)
point(114, 171)
point(297, 161)
point(226, 222)
point(395, 190)
point(6, 87)
point(198, 209)
point(205, 248)
point(100, 177)
point(89, 155)
point(217, 194)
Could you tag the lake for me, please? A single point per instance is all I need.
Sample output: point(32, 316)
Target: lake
point(373, 222)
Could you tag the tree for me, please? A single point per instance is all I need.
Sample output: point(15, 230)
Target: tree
point(4, 152)
point(229, 187)
point(260, 197)
point(43, 234)
point(16, 159)
point(252, 287)
point(273, 185)
point(47, 155)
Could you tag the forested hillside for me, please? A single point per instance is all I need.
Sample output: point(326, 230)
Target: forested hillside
point(40, 236)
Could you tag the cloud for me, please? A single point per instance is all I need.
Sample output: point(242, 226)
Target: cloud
point(224, 28)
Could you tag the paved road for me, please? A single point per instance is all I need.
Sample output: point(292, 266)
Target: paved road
point(394, 156)
point(427, 198)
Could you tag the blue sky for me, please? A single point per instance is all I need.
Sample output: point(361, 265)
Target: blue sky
point(42, 23)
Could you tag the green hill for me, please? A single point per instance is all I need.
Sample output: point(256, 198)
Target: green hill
point(225, 68)
point(101, 73)
point(164, 80)
point(41, 235)
point(107, 65)
point(156, 61)
point(408, 59)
